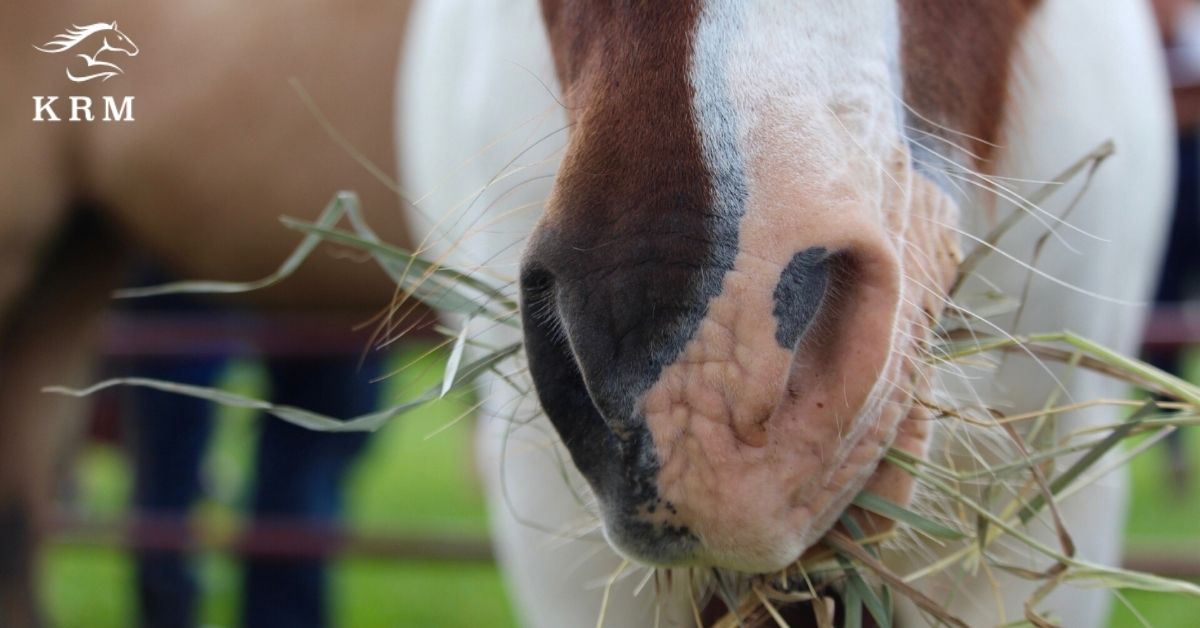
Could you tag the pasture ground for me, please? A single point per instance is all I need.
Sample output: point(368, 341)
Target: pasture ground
point(417, 476)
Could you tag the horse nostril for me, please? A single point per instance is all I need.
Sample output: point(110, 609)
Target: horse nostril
point(799, 294)
point(559, 382)
point(537, 298)
point(535, 282)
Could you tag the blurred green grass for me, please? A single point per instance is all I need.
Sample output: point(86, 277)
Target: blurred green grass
point(417, 475)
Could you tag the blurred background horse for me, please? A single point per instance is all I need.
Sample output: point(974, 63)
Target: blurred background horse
point(218, 149)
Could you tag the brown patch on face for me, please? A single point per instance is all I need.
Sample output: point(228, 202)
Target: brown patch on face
point(633, 189)
point(618, 259)
point(586, 32)
point(957, 58)
point(626, 233)
point(624, 71)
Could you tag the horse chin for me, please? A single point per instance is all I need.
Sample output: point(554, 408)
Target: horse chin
point(762, 544)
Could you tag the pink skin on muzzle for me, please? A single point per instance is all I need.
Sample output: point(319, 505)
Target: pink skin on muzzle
point(762, 449)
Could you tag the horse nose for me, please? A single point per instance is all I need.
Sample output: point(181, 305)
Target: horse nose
point(619, 313)
point(729, 379)
point(623, 310)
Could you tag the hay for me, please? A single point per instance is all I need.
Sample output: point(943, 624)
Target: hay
point(972, 520)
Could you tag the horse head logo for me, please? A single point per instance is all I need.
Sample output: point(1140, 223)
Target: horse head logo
point(113, 41)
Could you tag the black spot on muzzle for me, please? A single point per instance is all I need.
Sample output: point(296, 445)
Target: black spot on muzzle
point(798, 296)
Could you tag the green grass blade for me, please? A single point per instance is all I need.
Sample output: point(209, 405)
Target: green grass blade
point(1088, 459)
point(298, 416)
point(456, 354)
point(403, 264)
point(884, 508)
point(854, 608)
point(329, 216)
point(1117, 578)
point(870, 599)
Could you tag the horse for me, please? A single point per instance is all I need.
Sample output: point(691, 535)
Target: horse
point(731, 226)
point(218, 148)
point(76, 35)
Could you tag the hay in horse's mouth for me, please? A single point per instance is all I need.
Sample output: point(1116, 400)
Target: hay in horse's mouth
point(969, 524)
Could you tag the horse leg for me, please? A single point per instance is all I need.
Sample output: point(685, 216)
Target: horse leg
point(49, 326)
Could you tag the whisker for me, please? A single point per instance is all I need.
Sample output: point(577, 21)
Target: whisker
point(1036, 271)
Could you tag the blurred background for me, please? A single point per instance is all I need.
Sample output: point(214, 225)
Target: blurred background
point(179, 513)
